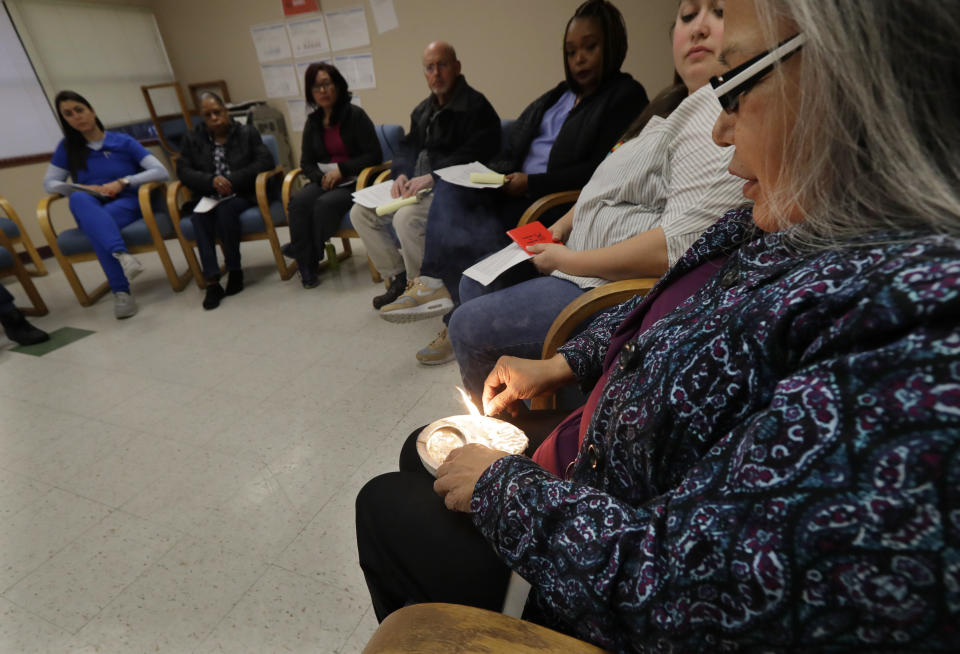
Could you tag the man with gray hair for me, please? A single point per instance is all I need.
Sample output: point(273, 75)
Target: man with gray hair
point(454, 125)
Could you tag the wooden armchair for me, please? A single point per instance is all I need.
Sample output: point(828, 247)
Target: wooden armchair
point(389, 137)
point(542, 205)
point(10, 264)
point(444, 628)
point(257, 223)
point(591, 302)
point(147, 234)
point(13, 228)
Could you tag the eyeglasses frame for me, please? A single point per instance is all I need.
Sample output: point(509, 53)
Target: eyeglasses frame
point(730, 86)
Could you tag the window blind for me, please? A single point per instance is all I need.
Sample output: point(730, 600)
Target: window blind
point(29, 125)
point(104, 52)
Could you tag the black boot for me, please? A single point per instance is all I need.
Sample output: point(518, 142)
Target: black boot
point(309, 273)
point(396, 288)
point(18, 330)
point(211, 300)
point(234, 282)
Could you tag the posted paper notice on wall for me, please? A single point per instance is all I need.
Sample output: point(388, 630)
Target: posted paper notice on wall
point(384, 15)
point(348, 28)
point(357, 70)
point(271, 42)
point(308, 37)
point(280, 80)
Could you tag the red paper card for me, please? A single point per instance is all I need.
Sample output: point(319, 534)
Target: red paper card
point(530, 234)
point(294, 7)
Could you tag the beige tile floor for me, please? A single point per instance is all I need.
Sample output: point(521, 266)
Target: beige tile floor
point(183, 481)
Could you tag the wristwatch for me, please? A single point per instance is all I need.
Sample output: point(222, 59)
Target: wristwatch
point(124, 181)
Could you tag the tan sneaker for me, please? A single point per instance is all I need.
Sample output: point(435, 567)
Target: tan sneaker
point(416, 303)
point(439, 351)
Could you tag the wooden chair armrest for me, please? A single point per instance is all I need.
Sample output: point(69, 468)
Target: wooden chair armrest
point(382, 177)
point(43, 217)
point(144, 194)
point(544, 204)
point(287, 189)
point(177, 195)
point(262, 200)
point(9, 211)
point(579, 310)
point(366, 176)
point(7, 244)
point(589, 303)
point(444, 628)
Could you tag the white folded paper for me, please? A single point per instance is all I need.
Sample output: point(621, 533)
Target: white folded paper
point(207, 203)
point(460, 175)
point(487, 270)
point(79, 187)
point(327, 167)
point(373, 196)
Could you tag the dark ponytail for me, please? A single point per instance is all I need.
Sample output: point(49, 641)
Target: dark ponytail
point(75, 142)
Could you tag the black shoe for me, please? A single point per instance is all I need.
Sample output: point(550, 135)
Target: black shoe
point(234, 282)
point(309, 273)
point(18, 330)
point(396, 288)
point(214, 294)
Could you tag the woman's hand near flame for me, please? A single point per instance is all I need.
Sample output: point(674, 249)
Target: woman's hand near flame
point(514, 379)
point(459, 474)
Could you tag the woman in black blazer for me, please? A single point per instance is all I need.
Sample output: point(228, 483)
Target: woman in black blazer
point(339, 141)
point(220, 161)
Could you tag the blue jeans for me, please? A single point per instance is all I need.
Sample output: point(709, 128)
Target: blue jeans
point(102, 224)
point(223, 222)
point(465, 225)
point(511, 321)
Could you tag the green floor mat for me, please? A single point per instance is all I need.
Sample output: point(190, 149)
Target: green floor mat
point(58, 338)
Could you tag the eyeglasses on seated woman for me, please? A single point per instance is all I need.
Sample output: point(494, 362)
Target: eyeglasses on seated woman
point(772, 465)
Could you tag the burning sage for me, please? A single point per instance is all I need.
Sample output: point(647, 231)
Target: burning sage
point(439, 438)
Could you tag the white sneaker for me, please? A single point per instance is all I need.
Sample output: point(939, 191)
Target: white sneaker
point(124, 305)
point(131, 265)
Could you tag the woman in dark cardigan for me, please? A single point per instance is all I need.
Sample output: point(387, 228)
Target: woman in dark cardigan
point(339, 141)
point(771, 465)
point(220, 160)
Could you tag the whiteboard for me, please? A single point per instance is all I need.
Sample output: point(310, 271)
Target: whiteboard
point(27, 122)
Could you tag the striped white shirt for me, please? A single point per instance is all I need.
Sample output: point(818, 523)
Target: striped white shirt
point(672, 175)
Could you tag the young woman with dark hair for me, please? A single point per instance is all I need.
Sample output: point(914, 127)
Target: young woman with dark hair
point(339, 140)
point(110, 165)
point(221, 159)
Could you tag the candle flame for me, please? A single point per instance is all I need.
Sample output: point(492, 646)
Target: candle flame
point(474, 411)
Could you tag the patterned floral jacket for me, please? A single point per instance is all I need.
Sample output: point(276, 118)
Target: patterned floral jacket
point(773, 466)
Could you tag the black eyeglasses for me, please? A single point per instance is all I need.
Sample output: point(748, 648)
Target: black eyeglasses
point(737, 81)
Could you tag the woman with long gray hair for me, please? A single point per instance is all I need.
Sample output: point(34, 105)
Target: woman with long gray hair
point(774, 464)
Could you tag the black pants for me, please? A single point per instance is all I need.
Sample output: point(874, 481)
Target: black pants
point(413, 549)
point(223, 222)
point(315, 216)
point(6, 299)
